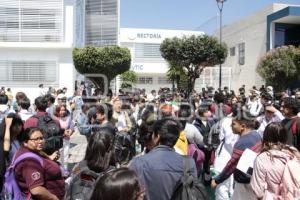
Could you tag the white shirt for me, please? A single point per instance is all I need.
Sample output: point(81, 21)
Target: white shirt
point(225, 149)
point(25, 114)
point(121, 124)
point(255, 107)
point(278, 117)
point(192, 134)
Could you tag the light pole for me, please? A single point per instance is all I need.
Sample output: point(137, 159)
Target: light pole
point(220, 6)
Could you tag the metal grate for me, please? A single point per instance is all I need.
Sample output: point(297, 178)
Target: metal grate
point(28, 72)
point(147, 50)
point(31, 21)
point(101, 22)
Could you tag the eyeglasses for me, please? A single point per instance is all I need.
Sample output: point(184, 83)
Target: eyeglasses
point(37, 139)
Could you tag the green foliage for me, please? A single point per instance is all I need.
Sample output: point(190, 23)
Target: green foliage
point(128, 78)
point(109, 61)
point(193, 54)
point(177, 75)
point(280, 67)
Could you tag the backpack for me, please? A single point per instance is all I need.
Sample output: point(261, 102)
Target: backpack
point(11, 188)
point(197, 155)
point(53, 134)
point(291, 180)
point(188, 187)
point(294, 129)
point(124, 147)
point(83, 182)
point(212, 140)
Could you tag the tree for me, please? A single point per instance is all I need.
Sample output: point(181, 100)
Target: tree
point(108, 61)
point(280, 67)
point(193, 54)
point(129, 78)
point(177, 75)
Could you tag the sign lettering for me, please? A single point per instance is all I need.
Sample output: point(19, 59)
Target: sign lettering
point(149, 35)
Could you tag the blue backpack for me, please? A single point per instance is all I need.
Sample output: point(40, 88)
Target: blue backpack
point(11, 188)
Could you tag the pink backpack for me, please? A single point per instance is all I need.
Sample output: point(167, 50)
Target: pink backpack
point(197, 155)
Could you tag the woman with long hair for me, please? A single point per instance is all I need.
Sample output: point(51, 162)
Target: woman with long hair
point(11, 128)
point(99, 158)
point(270, 163)
point(64, 117)
point(118, 184)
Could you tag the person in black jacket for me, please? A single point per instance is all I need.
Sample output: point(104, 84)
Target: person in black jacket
point(290, 108)
point(203, 123)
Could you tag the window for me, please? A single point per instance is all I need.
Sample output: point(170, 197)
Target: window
point(101, 22)
point(102, 7)
point(145, 80)
point(31, 21)
point(147, 50)
point(242, 53)
point(232, 51)
point(163, 80)
point(28, 72)
point(38, 19)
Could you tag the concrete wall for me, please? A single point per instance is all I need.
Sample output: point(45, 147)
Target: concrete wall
point(252, 31)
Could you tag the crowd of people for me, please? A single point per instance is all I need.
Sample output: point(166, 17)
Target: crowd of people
point(144, 146)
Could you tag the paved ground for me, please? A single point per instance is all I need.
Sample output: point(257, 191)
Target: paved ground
point(77, 149)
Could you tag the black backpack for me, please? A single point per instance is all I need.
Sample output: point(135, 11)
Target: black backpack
point(53, 134)
point(188, 187)
point(124, 147)
point(83, 181)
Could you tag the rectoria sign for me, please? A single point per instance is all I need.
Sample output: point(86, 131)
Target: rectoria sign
point(149, 35)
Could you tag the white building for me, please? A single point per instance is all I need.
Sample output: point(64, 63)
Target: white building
point(36, 41)
point(251, 37)
point(37, 38)
point(147, 62)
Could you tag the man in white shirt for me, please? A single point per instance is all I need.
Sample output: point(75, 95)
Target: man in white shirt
point(224, 191)
point(254, 105)
point(42, 90)
point(120, 117)
point(271, 115)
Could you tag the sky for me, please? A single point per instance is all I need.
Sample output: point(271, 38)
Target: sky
point(200, 15)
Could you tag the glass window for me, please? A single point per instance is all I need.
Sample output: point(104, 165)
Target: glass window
point(101, 22)
point(242, 53)
point(145, 80)
point(29, 21)
point(163, 80)
point(232, 51)
point(147, 50)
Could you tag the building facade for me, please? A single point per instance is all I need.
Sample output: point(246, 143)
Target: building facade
point(250, 38)
point(36, 41)
point(97, 22)
point(147, 62)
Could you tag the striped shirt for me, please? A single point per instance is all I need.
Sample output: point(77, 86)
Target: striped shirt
point(251, 141)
